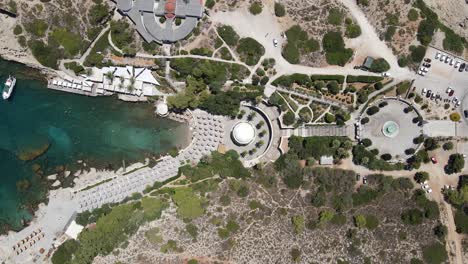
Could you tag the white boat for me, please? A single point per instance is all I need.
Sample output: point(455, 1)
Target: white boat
point(8, 87)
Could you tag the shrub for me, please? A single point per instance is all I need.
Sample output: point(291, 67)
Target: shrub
point(335, 17)
point(372, 110)
point(435, 253)
point(280, 11)
point(333, 87)
point(291, 53)
point(360, 221)
point(337, 78)
point(295, 254)
point(210, 3)
point(228, 34)
point(380, 65)
point(289, 118)
point(413, 14)
point(386, 157)
point(412, 217)
point(447, 146)
point(298, 223)
point(250, 51)
point(378, 86)
point(329, 118)
point(65, 252)
point(402, 61)
point(255, 8)
point(417, 53)
point(455, 117)
point(440, 231)
point(421, 176)
point(17, 30)
point(372, 222)
point(366, 142)
point(456, 163)
point(363, 79)
point(336, 53)
point(37, 27)
point(353, 31)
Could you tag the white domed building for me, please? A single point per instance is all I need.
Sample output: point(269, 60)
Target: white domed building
point(243, 133)
point(162, 109)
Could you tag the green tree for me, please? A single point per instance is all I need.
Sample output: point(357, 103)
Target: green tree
point(447, 146)
point(280, 11)
point(456, 163)
point(256, 8)
point(421, 176)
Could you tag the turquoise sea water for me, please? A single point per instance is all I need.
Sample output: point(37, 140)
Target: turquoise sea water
point(100, 131)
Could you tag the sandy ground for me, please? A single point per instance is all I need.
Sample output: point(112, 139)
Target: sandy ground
point(10, 49)
point(452, 13)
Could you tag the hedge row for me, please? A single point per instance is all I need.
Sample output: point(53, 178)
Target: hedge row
point(303, 79)
point(339, 78)
point(363, 79)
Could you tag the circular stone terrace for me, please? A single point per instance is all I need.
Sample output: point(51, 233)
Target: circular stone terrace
point(393, 128)
point(249, 133)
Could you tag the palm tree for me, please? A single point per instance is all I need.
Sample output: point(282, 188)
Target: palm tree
point(110, 76)
point(121, 84)
point(131, 85)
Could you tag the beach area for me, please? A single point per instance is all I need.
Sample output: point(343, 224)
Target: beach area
point(49, 138)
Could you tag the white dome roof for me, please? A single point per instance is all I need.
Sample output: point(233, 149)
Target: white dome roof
point(243, 133)
point(162, 109)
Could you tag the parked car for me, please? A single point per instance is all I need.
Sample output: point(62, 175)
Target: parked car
point(455, 100)
point(457, 64)
point(465, 113)
point(434, 160)
point(424, 90)
point(364, 180)
point(358, 177)
point(443, 57)
point(427, 65)
point(449, 89)
point(462, 67)
point(385, 74)
point(437, 56)
point(275, 42)
point(428, 93)
point(428, 60)
point(451, 62)
point(429, 190)
point(451, 92)
point(458, 103)
point(423, 69)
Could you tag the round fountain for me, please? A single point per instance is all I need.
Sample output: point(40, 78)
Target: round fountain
point(390, 129)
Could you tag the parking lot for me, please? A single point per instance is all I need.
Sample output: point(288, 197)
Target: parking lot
point(441, 80)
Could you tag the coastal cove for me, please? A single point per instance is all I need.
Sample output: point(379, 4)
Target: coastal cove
point(43, 132)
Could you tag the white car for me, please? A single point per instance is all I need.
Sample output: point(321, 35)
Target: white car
point(386, 74)
point(442, 58)
point(275, 42)
point(447, 59)
point(424, 69)
point(429, 190)
point(421, 73)
point(457, 64)
point(451, 62)
point(424, 91)
point(437, 56)
point(449, 90)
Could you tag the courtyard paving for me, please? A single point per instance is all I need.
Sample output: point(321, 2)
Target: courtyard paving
point(408, 130)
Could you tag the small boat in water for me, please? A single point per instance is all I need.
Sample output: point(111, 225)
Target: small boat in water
point(8, 87)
